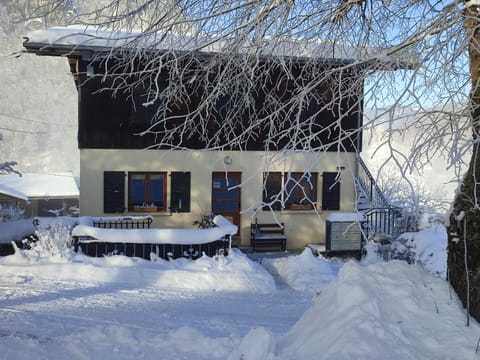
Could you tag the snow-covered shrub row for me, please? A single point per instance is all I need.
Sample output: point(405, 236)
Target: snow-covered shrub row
point(426, 248)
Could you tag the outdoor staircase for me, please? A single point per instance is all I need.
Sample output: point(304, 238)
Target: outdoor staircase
point(382, 218)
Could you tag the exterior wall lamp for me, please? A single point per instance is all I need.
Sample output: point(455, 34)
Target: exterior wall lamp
point(227, 160)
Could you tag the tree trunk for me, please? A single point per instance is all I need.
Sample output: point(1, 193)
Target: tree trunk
point(468, 199)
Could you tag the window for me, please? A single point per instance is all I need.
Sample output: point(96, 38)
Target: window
point(272, 187)
point(57, 207)
point(300, 190)
point(147, 192)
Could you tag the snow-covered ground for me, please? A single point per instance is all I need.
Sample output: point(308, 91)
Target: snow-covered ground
point(68, 306)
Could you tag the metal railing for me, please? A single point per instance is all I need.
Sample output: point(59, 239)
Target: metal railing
point(127, 222)
point(369, 187)
point(381, 216)
point(383, 221)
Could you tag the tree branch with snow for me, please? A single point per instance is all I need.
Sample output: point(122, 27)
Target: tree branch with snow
point(8, 167)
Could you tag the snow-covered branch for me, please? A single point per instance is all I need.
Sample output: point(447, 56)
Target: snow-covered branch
point(8, 167)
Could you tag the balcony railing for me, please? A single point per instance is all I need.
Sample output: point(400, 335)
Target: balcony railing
point(381, 216)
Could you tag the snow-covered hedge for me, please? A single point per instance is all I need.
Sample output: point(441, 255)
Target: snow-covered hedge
point(427, 248)
point(158, 236)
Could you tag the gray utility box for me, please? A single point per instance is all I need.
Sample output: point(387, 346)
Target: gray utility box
point(344, 236)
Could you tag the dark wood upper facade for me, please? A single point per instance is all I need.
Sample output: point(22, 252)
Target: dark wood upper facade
point(329, 118)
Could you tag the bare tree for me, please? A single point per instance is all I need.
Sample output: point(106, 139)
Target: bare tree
point(247, 40)
point(429, 43)
point(34, 14)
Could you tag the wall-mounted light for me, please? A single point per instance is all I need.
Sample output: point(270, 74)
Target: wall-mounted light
point(227, 160)
point(89, 70)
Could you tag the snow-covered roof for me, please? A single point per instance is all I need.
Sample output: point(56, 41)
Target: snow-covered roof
point(70, 39)
point(32, 185)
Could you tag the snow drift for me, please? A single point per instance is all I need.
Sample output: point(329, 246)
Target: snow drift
point(383, 311)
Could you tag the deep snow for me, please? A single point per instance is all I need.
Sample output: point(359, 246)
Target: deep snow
point(304, 307)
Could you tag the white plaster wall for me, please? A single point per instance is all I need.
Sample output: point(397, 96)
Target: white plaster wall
point(302, 227)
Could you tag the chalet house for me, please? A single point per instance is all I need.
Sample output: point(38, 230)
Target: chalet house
point(40, 194)
point(124, 173)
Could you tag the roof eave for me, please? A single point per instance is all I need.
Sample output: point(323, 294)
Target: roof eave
point(68, 50)
point(45, 49)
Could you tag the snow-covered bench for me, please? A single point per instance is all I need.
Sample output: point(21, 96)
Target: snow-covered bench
point(165, 243)
point(268, 235)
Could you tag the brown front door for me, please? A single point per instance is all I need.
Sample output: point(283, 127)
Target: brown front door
point(226, 195)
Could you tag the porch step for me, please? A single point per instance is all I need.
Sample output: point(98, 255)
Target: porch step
point(317, 249)
point(259, 256)
point(363, 207)
point(363, 203)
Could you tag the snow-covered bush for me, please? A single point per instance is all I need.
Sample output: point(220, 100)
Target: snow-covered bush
point(53, 240)
point(422, 206)
point(205, 221)
point(403, 248)
point(377, 250)
point(428, 248)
